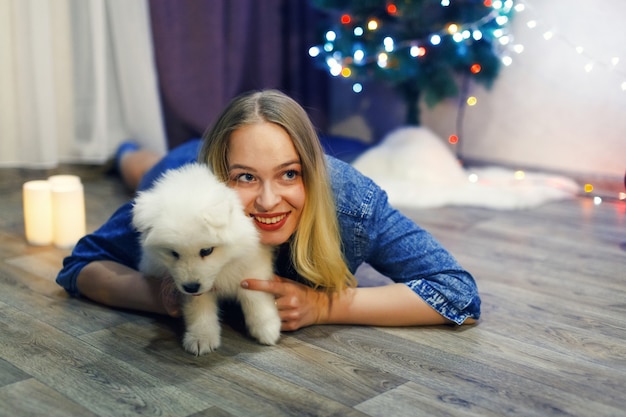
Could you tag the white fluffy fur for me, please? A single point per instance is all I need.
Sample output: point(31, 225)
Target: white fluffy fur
point(187, 211)
point(417, 169)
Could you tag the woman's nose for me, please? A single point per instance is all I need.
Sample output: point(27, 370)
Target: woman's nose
point(267, 198)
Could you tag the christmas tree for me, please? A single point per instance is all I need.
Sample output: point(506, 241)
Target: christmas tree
point(424, 49)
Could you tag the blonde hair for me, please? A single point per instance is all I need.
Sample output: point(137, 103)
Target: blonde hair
point(316, 245)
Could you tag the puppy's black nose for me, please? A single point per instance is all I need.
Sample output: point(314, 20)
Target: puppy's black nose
point(191, 288)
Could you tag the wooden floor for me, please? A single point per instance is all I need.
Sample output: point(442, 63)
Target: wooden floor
point(552, 339)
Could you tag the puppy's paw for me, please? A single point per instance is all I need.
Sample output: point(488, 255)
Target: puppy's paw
point(200, 344)
point(266, 331)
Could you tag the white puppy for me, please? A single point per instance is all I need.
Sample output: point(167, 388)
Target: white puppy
point(193, 228)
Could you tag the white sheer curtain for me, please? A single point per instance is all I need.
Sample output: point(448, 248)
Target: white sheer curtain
point(77, 77)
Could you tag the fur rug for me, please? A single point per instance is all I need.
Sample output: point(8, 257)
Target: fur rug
point(417, 169)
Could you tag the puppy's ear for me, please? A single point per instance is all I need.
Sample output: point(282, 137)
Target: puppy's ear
point(143, 212)
point(219, 215)
point(149, 239)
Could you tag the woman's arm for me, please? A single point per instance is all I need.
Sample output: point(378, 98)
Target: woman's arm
point(376, 233)
point(116, 285)
point(391, 305)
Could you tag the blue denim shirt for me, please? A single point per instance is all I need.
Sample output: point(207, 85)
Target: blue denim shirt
point(371, 231)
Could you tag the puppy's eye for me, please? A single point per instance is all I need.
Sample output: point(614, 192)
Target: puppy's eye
point(205, 252)
point(175, 254)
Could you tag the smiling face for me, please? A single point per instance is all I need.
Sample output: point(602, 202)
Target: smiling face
point(265, 170)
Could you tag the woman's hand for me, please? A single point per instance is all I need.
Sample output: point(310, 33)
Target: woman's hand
point(298, 305)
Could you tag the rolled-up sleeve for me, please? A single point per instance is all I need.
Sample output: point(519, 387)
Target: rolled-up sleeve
point(374, 232)
point(115, 241)
point(403, 251)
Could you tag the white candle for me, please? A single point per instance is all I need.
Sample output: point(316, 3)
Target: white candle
point(64, 179)
point(37, 204)
point(68, 211)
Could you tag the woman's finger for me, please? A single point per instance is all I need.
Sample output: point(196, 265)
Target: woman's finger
point(272, 287)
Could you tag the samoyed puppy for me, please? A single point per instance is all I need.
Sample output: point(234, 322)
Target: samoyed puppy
point(193, 229)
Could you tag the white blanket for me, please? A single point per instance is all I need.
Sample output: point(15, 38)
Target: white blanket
point(417, 169)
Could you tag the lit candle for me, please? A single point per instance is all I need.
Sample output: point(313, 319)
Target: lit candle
point(37, 203)
point(68, 210)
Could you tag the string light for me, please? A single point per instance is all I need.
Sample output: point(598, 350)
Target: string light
point(550, 34)
point(496, 11)
point(589, 191)
point(466, 32)
point(382, 60)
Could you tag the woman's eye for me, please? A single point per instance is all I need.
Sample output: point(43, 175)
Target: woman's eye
point(205, 252)
point(291, 174)
point(244, 178)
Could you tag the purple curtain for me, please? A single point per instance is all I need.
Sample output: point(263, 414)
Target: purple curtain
point(208, 51)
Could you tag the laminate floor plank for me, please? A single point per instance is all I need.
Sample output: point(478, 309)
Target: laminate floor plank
point(247, 391)
point(322, 373)
point(100, 383)
point(212, 412)
point(48, 302)
point(32, 398)
point(466, 375)
point(411, 399)
point(230, 384)
point(324, 370)
point(9, 374)
point(541, 364)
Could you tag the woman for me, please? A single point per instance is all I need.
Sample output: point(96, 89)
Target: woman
point(322, 216)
